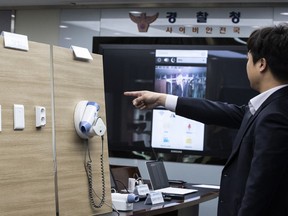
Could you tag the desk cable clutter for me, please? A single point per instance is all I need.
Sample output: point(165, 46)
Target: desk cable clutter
point(124, 201)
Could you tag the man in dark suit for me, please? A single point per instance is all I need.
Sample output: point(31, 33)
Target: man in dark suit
point(254, 180)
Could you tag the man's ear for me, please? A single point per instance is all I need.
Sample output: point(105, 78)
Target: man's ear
point(262, 64)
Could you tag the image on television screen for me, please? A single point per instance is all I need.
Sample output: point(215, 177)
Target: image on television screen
point(181, 73)
point(171, 131)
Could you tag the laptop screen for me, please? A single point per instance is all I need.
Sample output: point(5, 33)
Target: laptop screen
point(157, 174)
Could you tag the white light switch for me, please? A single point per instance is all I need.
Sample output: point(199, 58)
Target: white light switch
point(19, 117)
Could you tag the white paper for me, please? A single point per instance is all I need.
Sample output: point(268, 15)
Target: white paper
point(142, 189)
point(155, 197)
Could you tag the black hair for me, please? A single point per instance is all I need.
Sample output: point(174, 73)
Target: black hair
point(271, 43)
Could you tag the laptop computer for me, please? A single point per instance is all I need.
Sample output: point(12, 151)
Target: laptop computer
point(160, 182)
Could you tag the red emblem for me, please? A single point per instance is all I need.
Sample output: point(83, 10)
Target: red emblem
point(143, 21)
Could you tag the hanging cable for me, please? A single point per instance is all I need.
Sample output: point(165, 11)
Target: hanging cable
point(88, 169)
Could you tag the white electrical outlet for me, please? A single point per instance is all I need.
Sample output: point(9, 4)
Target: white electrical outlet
point(40, 113)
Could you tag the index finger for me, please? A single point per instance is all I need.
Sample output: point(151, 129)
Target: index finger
point(133, 93)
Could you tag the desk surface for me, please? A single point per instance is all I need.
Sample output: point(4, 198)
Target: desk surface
point(140, 209)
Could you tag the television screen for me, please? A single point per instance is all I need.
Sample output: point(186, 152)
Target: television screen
point(216, 72)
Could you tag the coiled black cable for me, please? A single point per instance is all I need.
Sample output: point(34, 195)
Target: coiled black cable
point(88, 169)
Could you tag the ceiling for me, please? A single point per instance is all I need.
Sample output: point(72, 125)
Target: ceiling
point(16, 4)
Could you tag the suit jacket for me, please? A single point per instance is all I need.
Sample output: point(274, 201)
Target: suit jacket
point(254, 181)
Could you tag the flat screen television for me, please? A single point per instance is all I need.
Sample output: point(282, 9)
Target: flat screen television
point(183, 67)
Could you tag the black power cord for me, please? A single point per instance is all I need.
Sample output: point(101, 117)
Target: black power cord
point(88, 169)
